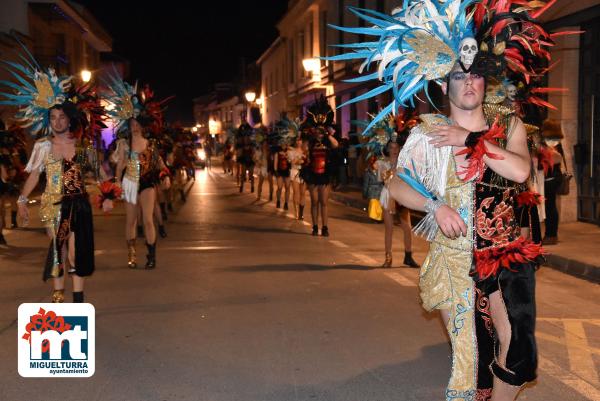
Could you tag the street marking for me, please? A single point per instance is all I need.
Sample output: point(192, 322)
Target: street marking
point(339, 244)
point(401, 279)
point(569, 379)
point(580, 359)
point(168, 248)
point(561, 341)
point(365, 259)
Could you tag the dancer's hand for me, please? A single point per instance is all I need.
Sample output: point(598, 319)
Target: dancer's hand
point(450, 222)
point(107, 205)
point(448, 135)
point(23, 212)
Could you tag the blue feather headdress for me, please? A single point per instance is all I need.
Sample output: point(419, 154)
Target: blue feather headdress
point(123, 100)
point(34, 92)
point(286, 130)
point(418, 43)
point(379, 135)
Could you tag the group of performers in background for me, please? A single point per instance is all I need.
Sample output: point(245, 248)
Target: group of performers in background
point(293, 156)
point(147, 165)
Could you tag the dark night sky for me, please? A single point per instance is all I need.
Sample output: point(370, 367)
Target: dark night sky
point(185, 48)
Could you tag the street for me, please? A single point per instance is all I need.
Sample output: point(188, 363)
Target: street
point(246, 305)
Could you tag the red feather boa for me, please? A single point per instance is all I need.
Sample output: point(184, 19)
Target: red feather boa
point(489, 261)
point(529, 198)
point(475, 154)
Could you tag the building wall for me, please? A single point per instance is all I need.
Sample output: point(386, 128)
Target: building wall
point(566, 75)
point(305, 34)
point(274, 84)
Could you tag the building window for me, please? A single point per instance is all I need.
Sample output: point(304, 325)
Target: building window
point(301, 50)
point(292, 61)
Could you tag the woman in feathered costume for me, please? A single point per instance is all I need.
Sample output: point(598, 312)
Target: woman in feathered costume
point(465, 171)
point(318, 170)
point(385, 140)
point(54, 111)
point(137, 158)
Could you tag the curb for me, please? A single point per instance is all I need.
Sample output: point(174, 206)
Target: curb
point(573, 268)
point(568, 266)
point(350, 201)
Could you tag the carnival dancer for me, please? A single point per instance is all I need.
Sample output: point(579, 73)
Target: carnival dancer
point(386, 139)
point(465, 171)
point(246, 158)
point(297, 157)
point(65, 118)
point(12, 173)
point(317, 172)
point(261, 162)
point(138, 161)
point(286, 131)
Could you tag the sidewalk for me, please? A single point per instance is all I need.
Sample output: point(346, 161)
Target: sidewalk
point(577, 253)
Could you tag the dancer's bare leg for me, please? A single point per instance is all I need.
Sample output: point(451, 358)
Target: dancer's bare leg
point(314, 203)
point(147, 199)
point(502, 391)
point(323, 194)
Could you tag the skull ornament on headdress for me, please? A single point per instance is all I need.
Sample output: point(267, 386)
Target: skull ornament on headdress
point(468, 50)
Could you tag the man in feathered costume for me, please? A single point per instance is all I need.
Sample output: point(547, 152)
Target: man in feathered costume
point(66, 121)
point(465, 170)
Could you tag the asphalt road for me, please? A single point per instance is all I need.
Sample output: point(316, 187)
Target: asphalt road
point(245, 305)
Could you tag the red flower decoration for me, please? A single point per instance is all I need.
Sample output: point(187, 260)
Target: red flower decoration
point(529, 198)
point(108, 190)
point(545, 158)
point(475, 154)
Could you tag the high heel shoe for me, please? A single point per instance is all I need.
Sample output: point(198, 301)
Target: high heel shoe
point(388, 261)
point(58, 296)
point(131, 259)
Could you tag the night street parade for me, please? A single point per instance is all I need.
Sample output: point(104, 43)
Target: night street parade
point(294, 200)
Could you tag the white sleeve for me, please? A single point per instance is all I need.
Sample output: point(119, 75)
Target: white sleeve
point(40, 152)
point(427, 162)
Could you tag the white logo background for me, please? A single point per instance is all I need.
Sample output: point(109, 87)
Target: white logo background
point(80, 364)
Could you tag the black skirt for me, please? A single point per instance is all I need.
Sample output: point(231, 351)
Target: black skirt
point(313, 178)
point(76, 217)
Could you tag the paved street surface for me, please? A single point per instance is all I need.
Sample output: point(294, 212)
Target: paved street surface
point(246, 305)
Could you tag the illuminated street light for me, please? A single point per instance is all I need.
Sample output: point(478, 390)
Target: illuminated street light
point(313, 65)
point(194, 129)
point(86, 75)
point(250, 96)
point(259, 101)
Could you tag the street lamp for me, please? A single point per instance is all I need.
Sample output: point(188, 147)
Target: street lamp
point(313, 65)
point(259, 101)
point(250, 96)
point(86, 75)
